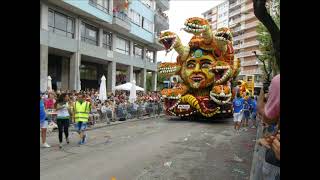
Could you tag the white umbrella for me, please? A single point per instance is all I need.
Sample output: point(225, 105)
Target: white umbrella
point(133, 92)
point(49, 85)
point(103, 89)
point(127, 87)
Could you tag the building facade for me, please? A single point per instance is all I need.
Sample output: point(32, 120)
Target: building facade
point(243, 23)
point(82, 40)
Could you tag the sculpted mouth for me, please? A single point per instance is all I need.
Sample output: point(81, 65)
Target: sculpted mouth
point(224, 36)
point(194, 28)
point(168, 42)
point(220, 98)
point(167, 69)
point(222, 73)
point(197, 78)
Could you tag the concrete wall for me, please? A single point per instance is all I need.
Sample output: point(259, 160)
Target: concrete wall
point(146, 13)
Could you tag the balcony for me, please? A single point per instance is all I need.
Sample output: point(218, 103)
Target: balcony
point(237, 38)
point(249, 7)
point(244, 54)
point(233, 13)
point(163, 4)
point(250, 16)
point(156, 44)
point(249, 63)
point(252, 25)
point(238, 46)
point(257, 71)
point(237, 3)
point(161, 21)
point(250, 44)
point(233, 23)
point(122, 21)
point(250, 34)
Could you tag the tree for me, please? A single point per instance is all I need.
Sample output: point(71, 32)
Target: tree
point(265, 18)
point(268, 57)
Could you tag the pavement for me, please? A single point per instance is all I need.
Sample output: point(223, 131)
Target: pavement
point(152, 149)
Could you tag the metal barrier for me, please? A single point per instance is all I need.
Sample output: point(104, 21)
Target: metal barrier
point(130, 111)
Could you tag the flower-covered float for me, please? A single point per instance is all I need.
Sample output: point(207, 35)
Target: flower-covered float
point(205, 67)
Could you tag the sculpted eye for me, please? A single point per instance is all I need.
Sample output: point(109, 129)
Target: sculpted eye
point(205, 65)
point(190, 65)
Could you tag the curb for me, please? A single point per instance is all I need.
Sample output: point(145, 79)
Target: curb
point(255, 171)
point(118, 122)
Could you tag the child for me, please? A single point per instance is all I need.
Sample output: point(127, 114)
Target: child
point(237, 109)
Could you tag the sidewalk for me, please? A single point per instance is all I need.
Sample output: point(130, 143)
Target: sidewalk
point(99, 125)
point(258, 157)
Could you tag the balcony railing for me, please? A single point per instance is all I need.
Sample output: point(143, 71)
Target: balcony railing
point(250, 16)
point(251, 25)
point(235, 12)
point(250, 44)
point(163, 16)
point(163, 4)
point(237, 38)
point(98, 6)
point(250, 34)
point(121, 20)
point(235, 4)
point(249, 6)
point(249, 63)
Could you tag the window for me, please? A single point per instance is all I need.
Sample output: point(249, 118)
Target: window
point(103, 5)
point(107, 40)
point(88, 72)
point(135, 17)
point(147, 25)
point(89, 34)
point(146, 2)
point(150, 55)
point(60, 24)
point(123, 46)
point(137, 50)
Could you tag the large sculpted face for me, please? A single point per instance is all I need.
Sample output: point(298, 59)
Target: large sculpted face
point(196, 71)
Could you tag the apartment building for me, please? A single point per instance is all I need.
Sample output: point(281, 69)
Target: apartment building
point(84, 39)
point(243, 23)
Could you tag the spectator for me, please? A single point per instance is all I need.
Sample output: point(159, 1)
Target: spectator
point(269, 111)
point(237, 112)
point(63, 119)
point(50, 102)
point(43, 123)
point(246, 113)
point(253, 109)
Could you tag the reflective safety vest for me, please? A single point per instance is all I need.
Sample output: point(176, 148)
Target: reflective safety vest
point(82, 111)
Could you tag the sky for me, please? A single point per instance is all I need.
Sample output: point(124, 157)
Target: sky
point(179, 11)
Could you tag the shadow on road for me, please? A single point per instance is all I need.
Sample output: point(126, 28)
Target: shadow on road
point(218, 120)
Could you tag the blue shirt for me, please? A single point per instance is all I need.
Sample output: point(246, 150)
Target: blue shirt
point(253, 105)
point(238, 104)
point(246, 105)
point(42, 112)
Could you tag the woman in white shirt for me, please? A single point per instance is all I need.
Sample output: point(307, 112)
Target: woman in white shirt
point(63, 118)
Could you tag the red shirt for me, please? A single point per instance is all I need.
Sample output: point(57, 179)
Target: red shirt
point(49, 103)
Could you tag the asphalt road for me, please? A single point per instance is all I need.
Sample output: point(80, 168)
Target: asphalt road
point(153, 149)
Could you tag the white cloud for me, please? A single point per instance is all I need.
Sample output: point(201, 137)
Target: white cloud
point(180, 11)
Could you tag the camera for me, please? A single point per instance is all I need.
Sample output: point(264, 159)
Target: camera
point(266, 87)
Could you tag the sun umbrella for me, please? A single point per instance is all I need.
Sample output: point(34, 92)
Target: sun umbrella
point(49, 85)
point(133, 92)
point(127, 87)
point(103, 89)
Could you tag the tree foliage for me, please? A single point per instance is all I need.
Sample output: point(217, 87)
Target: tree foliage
point(268, 52)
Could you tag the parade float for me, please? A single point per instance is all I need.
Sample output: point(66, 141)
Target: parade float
point(205, 68)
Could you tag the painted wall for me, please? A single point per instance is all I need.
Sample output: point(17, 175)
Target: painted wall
point(146, 13)
point(85, 6)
